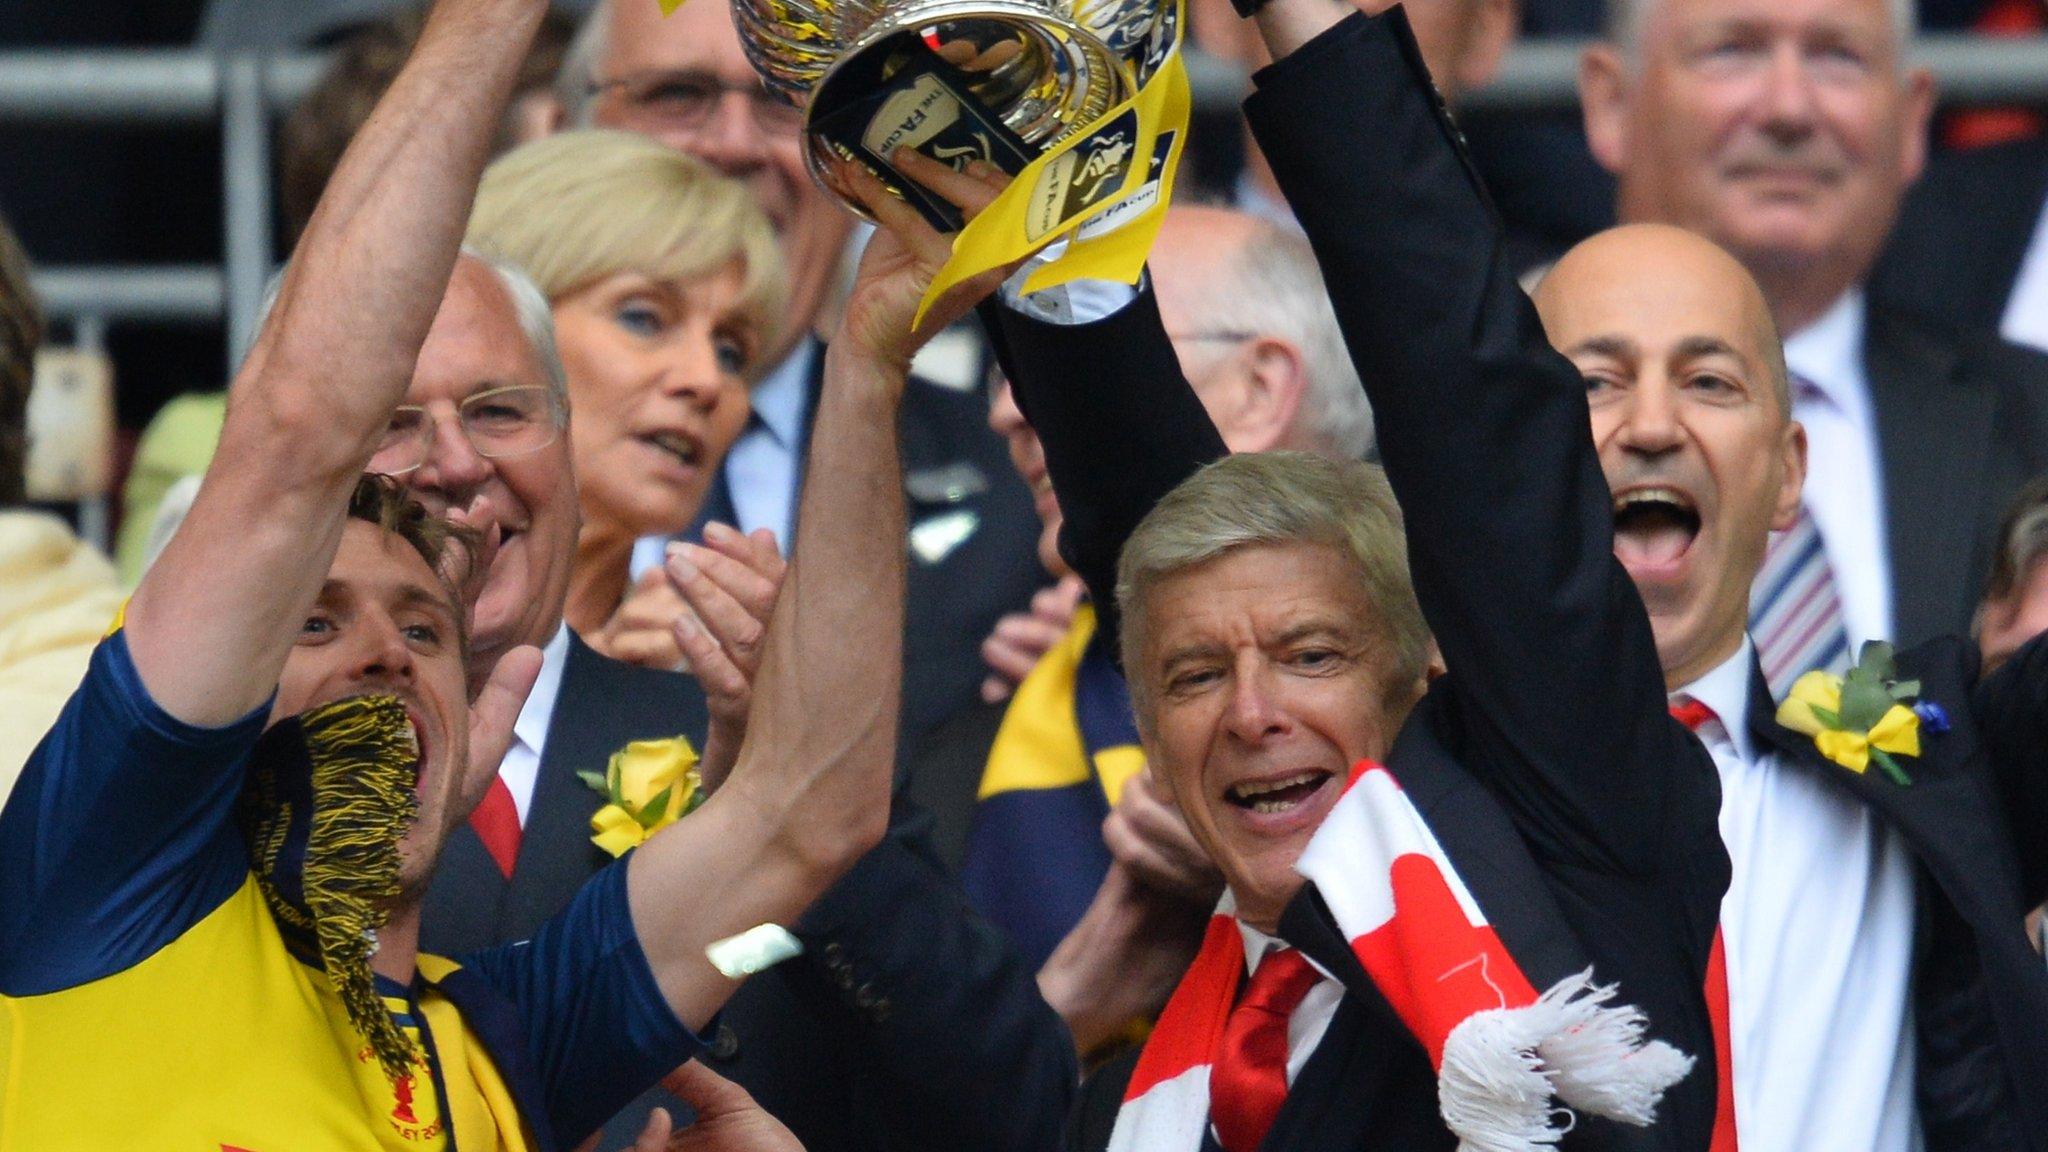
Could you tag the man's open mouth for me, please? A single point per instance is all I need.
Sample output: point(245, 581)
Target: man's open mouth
point(1654, 527)
point(1281, 794)
point(419, 746)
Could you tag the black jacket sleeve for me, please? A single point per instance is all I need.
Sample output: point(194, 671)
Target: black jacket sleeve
point(2010, 707)
point(1120, 424)
point(1555, 694)
point(949, 1043)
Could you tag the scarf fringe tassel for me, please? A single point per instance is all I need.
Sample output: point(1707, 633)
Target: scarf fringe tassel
point(1506, 1070)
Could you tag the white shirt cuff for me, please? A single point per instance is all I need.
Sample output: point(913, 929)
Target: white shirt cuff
point(1075, 302)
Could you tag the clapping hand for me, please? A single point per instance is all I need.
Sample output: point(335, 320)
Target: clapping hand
point(1147, 834)
point(730, 583)
point(1020, 638)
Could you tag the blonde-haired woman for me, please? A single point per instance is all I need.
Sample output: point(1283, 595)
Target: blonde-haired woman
point(667, 287)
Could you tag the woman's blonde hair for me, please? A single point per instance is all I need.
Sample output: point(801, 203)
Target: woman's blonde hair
point(577, 207)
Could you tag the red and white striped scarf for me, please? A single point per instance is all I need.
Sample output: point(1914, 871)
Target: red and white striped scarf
point(1506, 1056)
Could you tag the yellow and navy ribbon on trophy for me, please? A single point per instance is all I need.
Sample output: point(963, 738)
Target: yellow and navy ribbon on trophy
point(1108, 185)
point(1060, 760)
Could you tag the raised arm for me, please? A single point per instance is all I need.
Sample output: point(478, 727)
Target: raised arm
point(212, 622)
point(810, 792)
point(1485, 434)
point(1120, 424)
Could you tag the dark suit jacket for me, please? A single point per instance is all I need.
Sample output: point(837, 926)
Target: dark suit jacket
point(603, 704)
point(856, 1044)
point(943, 776)
point(1962, 233)
point(1583, 818)
point(1962, 424)
point(1973, 818)
point(957, 478)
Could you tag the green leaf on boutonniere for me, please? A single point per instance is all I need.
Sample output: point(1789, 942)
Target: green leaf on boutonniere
point(1864, 701)
point(1905, 690)
point(596, 782)
point(651, 815)
point(1875, 660)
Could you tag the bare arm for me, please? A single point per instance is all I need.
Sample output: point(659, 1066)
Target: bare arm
point(215, 617)
point(810, 793)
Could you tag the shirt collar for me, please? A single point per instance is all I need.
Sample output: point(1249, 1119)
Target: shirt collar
point(1828, 353)
point(778, 400)
point(531, 729)
point(1725, 689)
point(1258, 945)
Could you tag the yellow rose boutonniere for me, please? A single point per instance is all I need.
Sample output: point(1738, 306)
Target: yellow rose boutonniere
point(648, 785)
point(1863, 718)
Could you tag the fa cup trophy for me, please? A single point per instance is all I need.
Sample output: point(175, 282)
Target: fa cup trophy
point(1008, 82)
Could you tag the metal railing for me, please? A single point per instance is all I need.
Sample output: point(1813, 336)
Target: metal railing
point(242, 92)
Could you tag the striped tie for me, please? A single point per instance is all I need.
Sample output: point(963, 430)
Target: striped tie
point(1795, 610)
point(1795, 613)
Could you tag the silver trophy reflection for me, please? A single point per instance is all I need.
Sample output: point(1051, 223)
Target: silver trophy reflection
point(958, 80)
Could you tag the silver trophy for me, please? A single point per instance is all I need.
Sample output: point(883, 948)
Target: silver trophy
point(957, 80)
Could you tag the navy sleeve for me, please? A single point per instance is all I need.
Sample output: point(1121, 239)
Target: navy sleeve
point(597, 1028)
point(119, 835)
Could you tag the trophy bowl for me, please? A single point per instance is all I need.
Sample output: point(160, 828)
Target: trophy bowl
point(957, 80)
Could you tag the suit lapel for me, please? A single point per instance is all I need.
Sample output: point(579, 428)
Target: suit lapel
point(1331, 1103)
point(465, 898)
point(555, 852)
point(1488, 852)
point(602, 706)
point(1945, 817)
point(1932, 425)
point(1490, 858)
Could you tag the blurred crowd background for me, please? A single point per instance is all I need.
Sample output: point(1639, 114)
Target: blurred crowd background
point(99, 190)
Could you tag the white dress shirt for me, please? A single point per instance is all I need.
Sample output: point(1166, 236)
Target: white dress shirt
point(762, 468)
point(2026, 310)
point(1818, 931)
point(1312, 1016)
point(520, 769)
point(1844, 468)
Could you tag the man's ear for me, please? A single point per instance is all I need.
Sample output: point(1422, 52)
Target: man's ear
point(1494, 23)
point(1271, 384)
point(1919, 109)
point(1603, 96)
point(1793, 447)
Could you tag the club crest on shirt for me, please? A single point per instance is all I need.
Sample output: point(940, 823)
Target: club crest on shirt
point(414, 1115)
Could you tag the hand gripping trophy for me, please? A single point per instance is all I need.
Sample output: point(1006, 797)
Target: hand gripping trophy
point(1083, 102)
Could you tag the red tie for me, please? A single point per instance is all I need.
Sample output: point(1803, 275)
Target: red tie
point(496, 823)
point(1692, 714)
point(1248, 1082)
